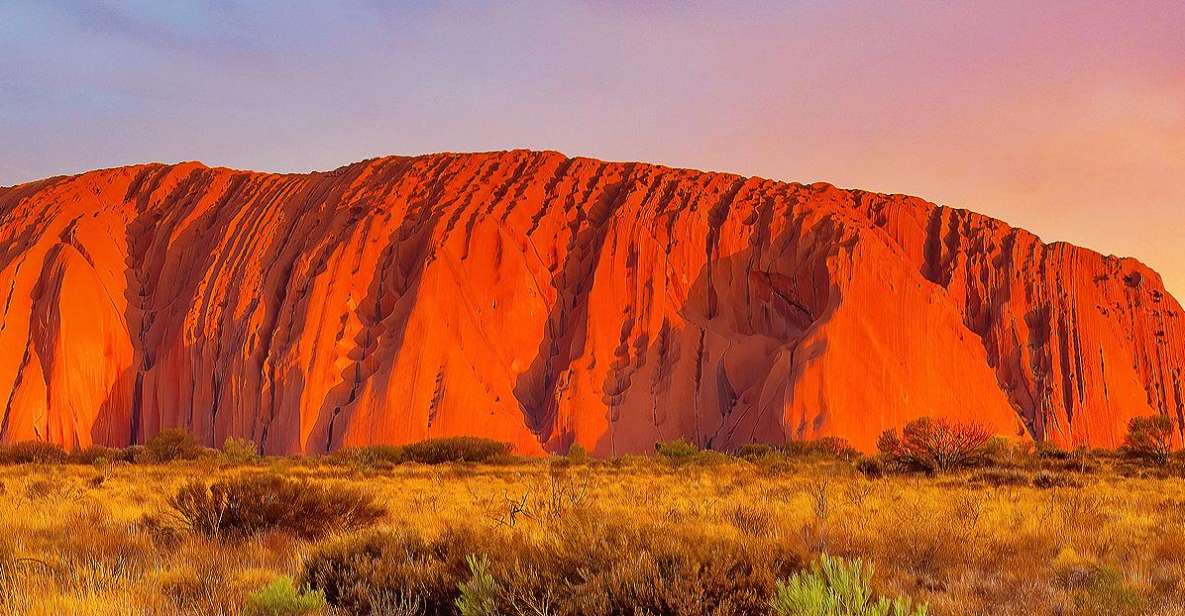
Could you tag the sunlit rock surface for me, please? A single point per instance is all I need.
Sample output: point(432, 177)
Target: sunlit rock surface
point(543, 300)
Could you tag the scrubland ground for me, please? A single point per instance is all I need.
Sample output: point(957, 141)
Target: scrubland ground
point(636, 535)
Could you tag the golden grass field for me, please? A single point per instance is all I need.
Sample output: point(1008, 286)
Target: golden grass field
point(88, 539)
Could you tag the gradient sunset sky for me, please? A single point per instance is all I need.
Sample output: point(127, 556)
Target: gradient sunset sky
point(1067, 118)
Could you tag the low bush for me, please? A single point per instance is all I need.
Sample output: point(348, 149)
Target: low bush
point(32, 452)
point(373, 456)
point(1001, 477)
point(825, 447)
point(456, 449)
point(577, 454)
point(282, 598)
point(239, 451)
point(173, 444)
point(1150, 438)
point(678, 450)
point(935, 445)
point(249, 505)
point(96, 454)
point(1000, 452)
point(754, 451)
point(670, 570)
point(835, 587)
point(137, 454)
point(1051, 451)
point(871, 467)
point(1046, 480)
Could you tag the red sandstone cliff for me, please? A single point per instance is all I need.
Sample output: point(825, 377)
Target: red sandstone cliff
point(543, 300)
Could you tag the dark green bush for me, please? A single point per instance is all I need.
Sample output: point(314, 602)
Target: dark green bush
point(371, 456)
point(32, 452)
point(1051, 451)
point(935, 445)
point(668, 571)
point(577, 454)
point(1150, 439)
point(137, 454)
point(173, 444)
point(827, 447)
point(456, 449)
point(754, 451)
point(677, 450)
point(250, 505)
point(282, 598)
point(239, 451)
point(871, 467)
point(998, 477)
point(96, 454)
point(1055, 480)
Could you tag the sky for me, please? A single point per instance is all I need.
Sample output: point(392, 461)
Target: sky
point(1066, 118)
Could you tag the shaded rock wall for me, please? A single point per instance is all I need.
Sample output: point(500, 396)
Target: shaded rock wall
point(543, 300)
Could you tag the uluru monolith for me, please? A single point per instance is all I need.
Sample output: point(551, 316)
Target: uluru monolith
point(545, 300)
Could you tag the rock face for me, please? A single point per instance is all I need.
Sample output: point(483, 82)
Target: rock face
point(543, 300)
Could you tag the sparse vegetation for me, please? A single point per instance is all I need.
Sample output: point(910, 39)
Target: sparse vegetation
point(1150, 438)
point(935, 445)
point(835, 587)
point(173, 444)
point(282, 598)
point(456, 449)
point(1025, 530)
point(239, 451)
point(250, 505)
point(32, 452)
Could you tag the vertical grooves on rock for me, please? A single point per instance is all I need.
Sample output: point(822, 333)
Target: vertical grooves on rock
point(566, 324)
point(263, 305)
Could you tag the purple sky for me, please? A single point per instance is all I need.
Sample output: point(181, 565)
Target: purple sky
point(1067, 118)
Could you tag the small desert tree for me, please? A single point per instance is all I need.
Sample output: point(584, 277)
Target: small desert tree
point(935, 445)
point(1150, 438)
point(173, 444)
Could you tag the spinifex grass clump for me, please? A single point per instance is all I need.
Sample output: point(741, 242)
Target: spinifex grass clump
point(249, 505)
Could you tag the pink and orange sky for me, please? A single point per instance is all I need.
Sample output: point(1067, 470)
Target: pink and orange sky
point(1067, 118)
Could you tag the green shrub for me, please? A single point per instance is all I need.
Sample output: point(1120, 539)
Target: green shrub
point(678, 450)
point(249, 505)
point(935, 445)
point(754, 451)
point(359, 572)
point(1150, 438)
point(239, 451)
point(1050, 450)
point(371, 456)
point(137, 454)
point(456, 449)
point(1106, 594)
point(1001, 452)
point(1045, 480)
point(670, 571)
point(577, 454)
point(479, 594)
point(282, 598)
point(173, 444)
point(835, 587)
point(825, 447)
point(871, 467)
point(95, 454)
point(32, 452)
point(1001, 477)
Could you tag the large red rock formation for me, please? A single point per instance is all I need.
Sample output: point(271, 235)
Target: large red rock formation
point(543, 300)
